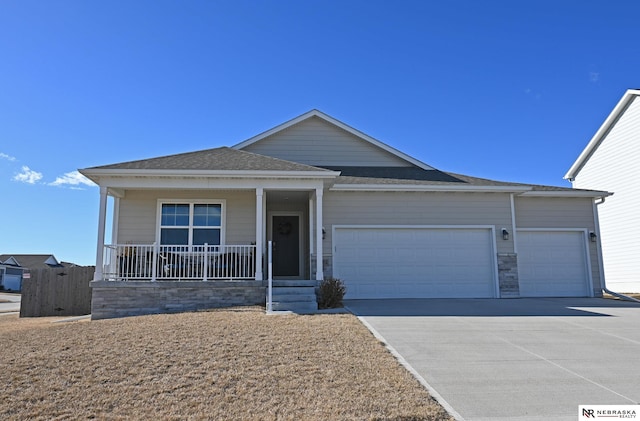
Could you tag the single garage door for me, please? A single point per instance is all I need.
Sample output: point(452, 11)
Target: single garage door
point(12, 282)
point(415, 262)
point(553, 264)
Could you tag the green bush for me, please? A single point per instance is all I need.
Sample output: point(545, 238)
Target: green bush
point(331, 293)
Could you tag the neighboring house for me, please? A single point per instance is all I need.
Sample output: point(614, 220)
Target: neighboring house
point(335, 202)
point(14, 266)
point(611, 161)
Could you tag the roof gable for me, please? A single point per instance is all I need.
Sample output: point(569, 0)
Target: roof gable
point(10, 261)
point(314, 138)
point(52, 261)
point(622, 106)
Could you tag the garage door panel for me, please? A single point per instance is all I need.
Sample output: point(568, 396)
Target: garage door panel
point(415, 262)
point(552, 264)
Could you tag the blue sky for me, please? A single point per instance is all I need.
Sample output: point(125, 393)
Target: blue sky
point(508, 90)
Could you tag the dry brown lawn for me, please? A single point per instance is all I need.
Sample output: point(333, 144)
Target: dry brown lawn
point(232, 364)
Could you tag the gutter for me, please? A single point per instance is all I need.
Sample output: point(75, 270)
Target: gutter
point(596, 221)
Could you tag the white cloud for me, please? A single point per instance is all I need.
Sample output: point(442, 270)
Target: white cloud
point(28, 176)
point(74, 179)
point(7, 157)
point(594, 76)
point(531, 93)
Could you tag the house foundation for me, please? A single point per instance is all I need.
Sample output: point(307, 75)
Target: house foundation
point(111, 299)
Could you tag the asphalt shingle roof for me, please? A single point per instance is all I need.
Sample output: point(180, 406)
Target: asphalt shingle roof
point(228, 159)
point(30, 261)
point(397, 173)
point(418, 176)
point(221, 159)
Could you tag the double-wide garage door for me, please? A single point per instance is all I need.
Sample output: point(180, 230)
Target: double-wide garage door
point(553, 264)
point(415, 262)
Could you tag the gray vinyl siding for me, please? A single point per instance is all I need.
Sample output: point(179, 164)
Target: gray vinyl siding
point(556, 212)
point(138, 211)
point(317, 142)
point(418, 208)
point(613, 167)
point(559, 213)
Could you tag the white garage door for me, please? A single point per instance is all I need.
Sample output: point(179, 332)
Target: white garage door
point(12, 282)
point(552, 264)
point(415, 262)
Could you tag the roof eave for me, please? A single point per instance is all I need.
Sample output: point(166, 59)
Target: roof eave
point(567, 193)
point(95, 174)
point(600, 134)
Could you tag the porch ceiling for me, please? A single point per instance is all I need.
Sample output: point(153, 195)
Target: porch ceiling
point(287, 196)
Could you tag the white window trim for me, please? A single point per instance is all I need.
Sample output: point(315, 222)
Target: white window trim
point(191, 202)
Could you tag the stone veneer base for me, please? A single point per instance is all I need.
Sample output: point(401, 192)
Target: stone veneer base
point(508, 275)
point(111, 299)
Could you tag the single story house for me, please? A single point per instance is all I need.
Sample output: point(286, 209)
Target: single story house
point(191, 230)
point(15, 267)
point(610, 162)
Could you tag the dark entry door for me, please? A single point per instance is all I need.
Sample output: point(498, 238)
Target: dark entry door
point(286, 248)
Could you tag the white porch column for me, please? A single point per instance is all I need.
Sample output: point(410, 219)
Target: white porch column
point(312, 225)
point(259, 230)
point(319, 253)
point(102, 218)
point(116, 219)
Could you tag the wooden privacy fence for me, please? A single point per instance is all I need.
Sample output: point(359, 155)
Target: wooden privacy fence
point(57, 292)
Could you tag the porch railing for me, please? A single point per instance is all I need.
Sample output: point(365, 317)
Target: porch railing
point(176, 262)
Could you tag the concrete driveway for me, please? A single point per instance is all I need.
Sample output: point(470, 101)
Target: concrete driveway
point(524, 359)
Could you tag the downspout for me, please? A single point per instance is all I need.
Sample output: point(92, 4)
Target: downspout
point(513, 224)
point(596, 222)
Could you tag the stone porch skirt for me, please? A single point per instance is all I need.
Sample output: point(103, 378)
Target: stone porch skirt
point(110, 299)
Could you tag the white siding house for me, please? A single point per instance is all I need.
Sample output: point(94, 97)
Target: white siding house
point(611, 161)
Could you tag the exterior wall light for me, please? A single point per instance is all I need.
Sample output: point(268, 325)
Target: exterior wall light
point(505, 234)
point(593, 236)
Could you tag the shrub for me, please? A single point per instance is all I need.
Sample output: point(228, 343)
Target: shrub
point(331, 293)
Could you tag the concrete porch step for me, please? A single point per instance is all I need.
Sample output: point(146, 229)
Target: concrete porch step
point(296, 307)
point(294, 283)
point(309, 298)
point(295, 296)
point(294, 290)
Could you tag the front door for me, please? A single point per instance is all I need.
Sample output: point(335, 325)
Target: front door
point(286, 245)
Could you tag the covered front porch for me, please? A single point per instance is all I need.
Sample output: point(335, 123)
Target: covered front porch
point(214, 234)
point(143, 270)
point(191, 230)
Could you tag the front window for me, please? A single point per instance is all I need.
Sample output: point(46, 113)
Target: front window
point(193, 223)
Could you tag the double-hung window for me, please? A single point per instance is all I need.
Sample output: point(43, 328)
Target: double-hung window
point(191, 223)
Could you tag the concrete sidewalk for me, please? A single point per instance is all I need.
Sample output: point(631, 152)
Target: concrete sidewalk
point(13, 304)
point(524, 359)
